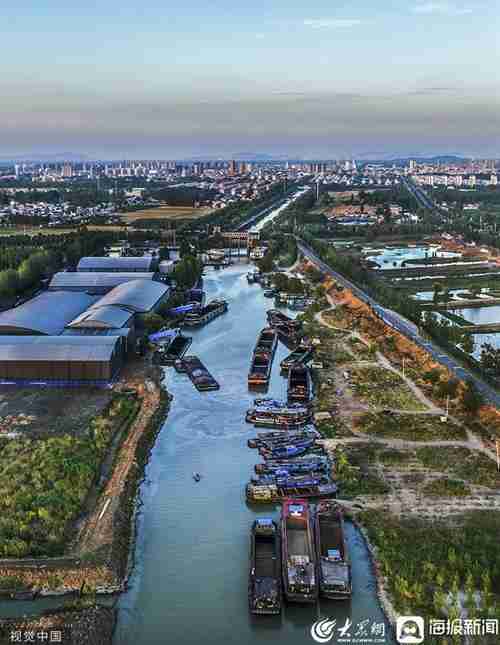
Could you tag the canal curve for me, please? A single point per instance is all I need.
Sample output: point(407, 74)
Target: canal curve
point(189, 583)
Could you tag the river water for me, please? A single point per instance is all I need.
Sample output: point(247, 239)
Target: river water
point(189, 584)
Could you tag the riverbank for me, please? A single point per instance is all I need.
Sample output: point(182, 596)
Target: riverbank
point(422, 485)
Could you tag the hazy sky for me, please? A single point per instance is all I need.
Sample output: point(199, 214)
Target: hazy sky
point(120, 79)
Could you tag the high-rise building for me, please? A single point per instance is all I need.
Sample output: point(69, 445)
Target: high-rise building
point(232, 167)
point(67, 171)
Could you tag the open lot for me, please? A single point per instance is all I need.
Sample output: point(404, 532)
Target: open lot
point(167, 213)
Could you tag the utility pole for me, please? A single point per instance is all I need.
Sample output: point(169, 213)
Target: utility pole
point(498, 454)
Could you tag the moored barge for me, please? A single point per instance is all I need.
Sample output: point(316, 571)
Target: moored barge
point(289, 488)
point(262, 359)
point(169, 353)
point(300, 355)
point(295, 467)
point(299, 384)
point(272, 440)
point(199, 375)
point(334, 567)
point(297, 552)
point(202, 316)
point(264, 584)
point(286, 417)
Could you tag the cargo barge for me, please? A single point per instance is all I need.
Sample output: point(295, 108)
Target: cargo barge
point(203, 316)
point(299, 384)
point(285, 418)
point(296, 467)
point(271, 493)
point(272, 440)
point(262, 359)
point(288, 450)
point(167, 354)
point(334, 567)
point(199, 375)
point(277, 317)
point(297, 552)
point(300, 355)
point(264, 584)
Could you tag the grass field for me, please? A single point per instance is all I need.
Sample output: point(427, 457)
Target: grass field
point(165, 213)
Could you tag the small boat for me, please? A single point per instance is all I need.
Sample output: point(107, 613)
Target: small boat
point(269, 293)
point(264, 584)
point(196, 477)
point(298, 559)
point(299, 384)
point(334, 567)
point(262, 358)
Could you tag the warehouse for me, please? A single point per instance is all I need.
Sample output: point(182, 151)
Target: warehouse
point(138, 296)
point(93, 282)
point(61, 360)
point(143, 264)
point(46, 314)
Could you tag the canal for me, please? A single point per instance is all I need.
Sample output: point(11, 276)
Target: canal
point(189, 584)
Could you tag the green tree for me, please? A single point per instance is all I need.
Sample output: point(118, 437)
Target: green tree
point(472, 399)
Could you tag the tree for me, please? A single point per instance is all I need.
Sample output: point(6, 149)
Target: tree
point(152, 322)
point(490, 359)
point(472, 399)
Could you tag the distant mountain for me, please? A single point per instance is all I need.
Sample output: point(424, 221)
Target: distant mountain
point(50, 157)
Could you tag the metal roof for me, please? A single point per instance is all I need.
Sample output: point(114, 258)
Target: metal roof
point(142, 263)
point(94, 279)
point(57, 348)
point(48, 313)
point(137, 295)
point(105, 316)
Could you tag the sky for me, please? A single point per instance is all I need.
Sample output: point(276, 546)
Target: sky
point(317, 79)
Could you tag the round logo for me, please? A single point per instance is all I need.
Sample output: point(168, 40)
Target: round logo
point(322, 630)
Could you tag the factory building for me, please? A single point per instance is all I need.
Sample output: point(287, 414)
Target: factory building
point(126, 264)
point(92, 281)
point(73, 337)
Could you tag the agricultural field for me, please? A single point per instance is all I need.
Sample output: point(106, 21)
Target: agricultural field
point(410, 427)
point(461, 463)
point(383, 388)
point(45, 480)
point(165, 213)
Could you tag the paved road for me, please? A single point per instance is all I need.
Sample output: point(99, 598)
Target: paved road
point(405, 327)
point(421, 197)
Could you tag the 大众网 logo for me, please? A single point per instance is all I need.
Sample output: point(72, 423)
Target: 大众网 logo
point(322, 630)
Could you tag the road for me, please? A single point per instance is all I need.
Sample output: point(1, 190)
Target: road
point(418, 193)
point(405, 327)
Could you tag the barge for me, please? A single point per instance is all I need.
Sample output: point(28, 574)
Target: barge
point(277, 317)
point(299, 384)
point(169, 353)
point(264, 584)
point(287, 450)
point(203, 316)
point(262, 359)
point(286, 420)
point(271, 493)
point(272, 440)
point(297, 467)
point(334, 567)
point(300, 355)
point(199, 375)
point(297, 552)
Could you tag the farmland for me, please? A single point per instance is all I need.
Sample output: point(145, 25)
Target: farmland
point(165, 213)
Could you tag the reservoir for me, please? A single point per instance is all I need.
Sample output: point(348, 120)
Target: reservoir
point(189, 583)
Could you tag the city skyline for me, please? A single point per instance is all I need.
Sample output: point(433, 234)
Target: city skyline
point(123, 81)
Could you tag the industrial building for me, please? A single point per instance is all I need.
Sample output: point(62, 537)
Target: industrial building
point(63, 359)
point(92, 281)
point(73, 337)
point(126, 264)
